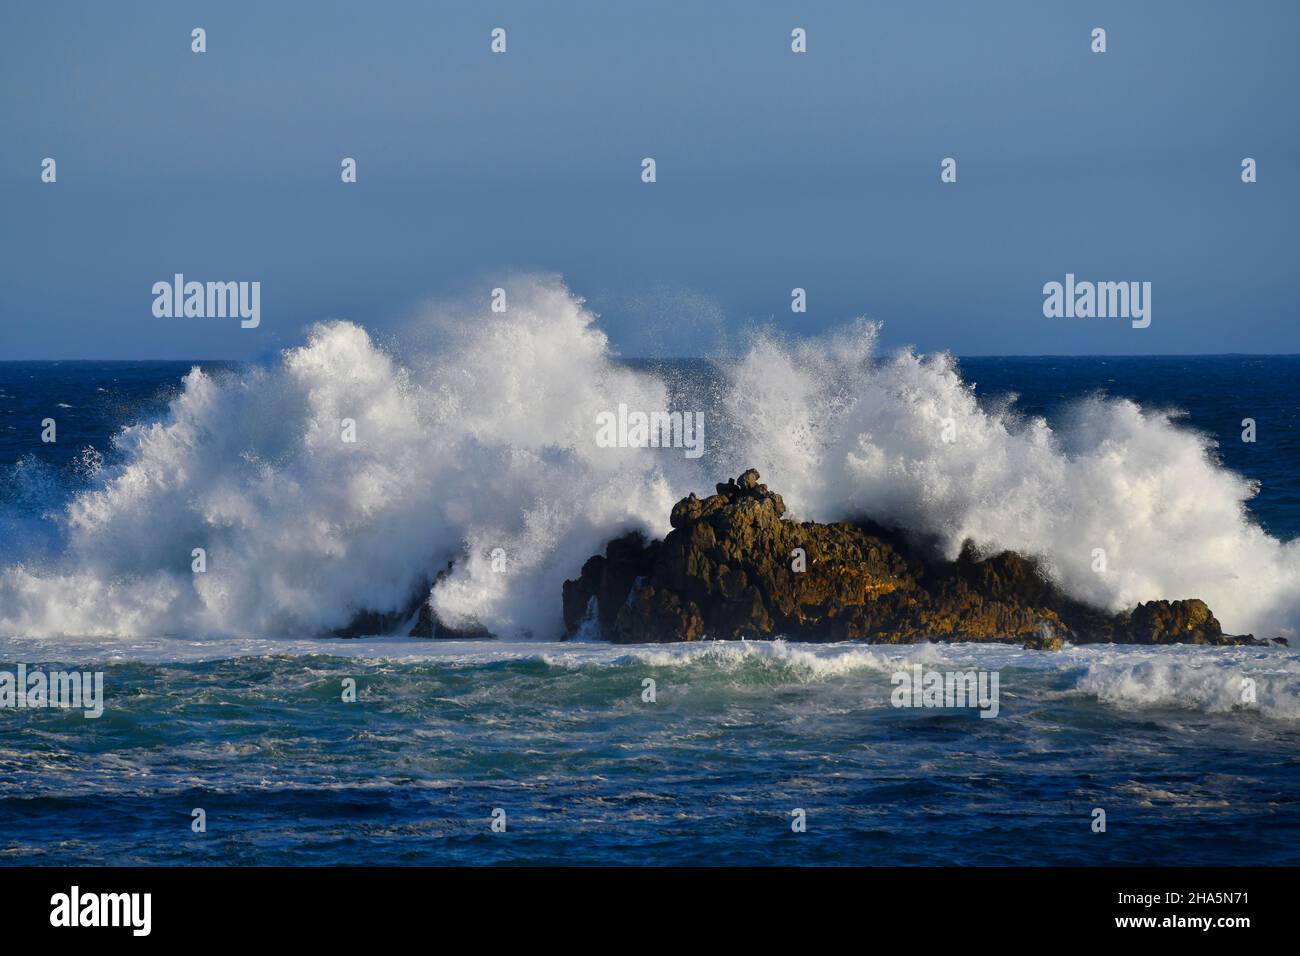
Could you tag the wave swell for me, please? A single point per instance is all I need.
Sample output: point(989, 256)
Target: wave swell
point(486, 441)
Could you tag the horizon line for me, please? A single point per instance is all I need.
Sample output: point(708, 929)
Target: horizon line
point(705, 358)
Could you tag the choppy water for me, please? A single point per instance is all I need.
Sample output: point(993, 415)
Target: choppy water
point(559, 737)
point(216, 701)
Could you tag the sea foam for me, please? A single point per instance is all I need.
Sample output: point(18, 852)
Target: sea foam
point(485, 440)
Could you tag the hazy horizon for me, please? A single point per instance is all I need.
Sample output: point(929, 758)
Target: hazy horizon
point(689, 358)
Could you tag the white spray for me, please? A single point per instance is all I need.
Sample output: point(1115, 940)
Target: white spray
point(484, 445)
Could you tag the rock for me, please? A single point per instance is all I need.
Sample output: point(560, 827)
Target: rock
point(1045, 640)
point(370, 623)
point(367, 623)
point(732, 567)
point(1175, 622)
point(1282, 640)
point(608, 579)
point(428, 624)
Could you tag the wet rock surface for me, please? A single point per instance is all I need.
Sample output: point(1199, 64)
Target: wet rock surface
point(417, 609)
point(732, 567)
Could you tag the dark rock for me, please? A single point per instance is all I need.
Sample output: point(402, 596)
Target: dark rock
point(370, 623)
point(1282, 640)
point(367, 623)
point(428, 624)
point(733, 568)
point(608, 578)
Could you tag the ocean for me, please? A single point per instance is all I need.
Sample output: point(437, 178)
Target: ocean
point(220, 696)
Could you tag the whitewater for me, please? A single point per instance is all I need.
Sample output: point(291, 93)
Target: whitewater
point(562, 738)
point(483, 438)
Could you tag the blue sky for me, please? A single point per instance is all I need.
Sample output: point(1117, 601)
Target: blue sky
point(775, 170)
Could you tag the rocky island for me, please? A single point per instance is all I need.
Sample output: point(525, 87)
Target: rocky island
point(733, 567)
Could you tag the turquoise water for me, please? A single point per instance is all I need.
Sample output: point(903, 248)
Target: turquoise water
point(559, 737)
point(254, 730)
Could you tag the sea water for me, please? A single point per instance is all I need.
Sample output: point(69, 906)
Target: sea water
point(220, 694)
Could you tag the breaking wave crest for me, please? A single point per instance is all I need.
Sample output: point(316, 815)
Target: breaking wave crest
point(486, 440)
point(1201, 685)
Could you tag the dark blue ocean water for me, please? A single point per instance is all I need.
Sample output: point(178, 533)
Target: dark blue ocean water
point(558, 736)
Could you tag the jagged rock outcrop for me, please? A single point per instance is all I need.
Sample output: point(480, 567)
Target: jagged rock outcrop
point(368, 623)
point(732, 568)
point(606, 580)
point(1044, 642)
point(427, 623)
